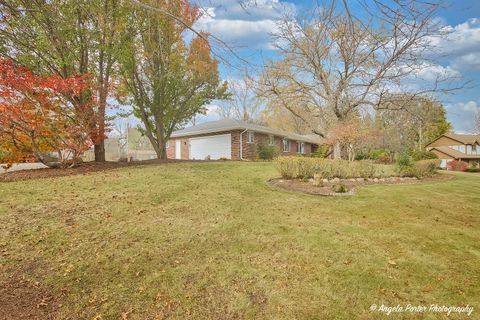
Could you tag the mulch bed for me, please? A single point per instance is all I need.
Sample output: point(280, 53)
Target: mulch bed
point(83, 168)
point(326, 190)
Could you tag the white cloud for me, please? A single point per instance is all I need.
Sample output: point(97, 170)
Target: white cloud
point(433, 72)
point(211, 114)
point(249, 25)
point(463, 114)
point(461, 45)
point(467, 62)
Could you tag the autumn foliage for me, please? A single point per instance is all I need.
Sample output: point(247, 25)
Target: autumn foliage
point(351, 136)
point(37, 117)
point(457, 165)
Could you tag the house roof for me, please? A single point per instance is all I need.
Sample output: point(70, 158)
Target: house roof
point(462, 138)
point(233, 124)
point(454, 153)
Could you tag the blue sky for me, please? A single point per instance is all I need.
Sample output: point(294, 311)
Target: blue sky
point(249, 32)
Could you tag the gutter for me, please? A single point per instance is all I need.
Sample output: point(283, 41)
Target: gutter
point(241, 144)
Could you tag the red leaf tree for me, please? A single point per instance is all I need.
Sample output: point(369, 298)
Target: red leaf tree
point(37, 117)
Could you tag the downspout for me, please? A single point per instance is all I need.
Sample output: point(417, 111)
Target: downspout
point(241, 144)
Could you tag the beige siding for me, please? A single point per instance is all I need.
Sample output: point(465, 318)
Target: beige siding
point(445, 142)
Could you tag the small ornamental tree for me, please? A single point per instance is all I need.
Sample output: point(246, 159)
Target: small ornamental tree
point(457, 165)
point(37, 120)
point(350, 136)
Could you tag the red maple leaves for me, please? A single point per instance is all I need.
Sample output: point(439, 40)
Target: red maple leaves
point(47, 117)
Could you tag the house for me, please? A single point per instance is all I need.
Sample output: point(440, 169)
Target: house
point(236, 140)
point(450, 146)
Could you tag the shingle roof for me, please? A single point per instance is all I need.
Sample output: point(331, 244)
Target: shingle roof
point(233, 124)
point(464, 138)
point(455, 154)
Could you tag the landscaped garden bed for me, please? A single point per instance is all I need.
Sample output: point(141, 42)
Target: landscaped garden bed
point(340, 177)
point(327, 188)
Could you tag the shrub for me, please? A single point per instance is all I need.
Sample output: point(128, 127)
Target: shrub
point(266, 152)
point(339, 188)
point(321, 152)
point(425, 168)
point(292, 167)
point(304, 168)
point(379, 155)
point(404, 165)
point(472, 170)
point(423, 155)
point(457, 165)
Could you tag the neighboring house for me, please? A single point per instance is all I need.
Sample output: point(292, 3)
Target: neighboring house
point(450, 146)
point(236, 140)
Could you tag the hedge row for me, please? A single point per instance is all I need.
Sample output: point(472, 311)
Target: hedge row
point(292, 167)
point(304, 168)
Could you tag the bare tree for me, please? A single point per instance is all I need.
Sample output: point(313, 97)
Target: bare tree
point(407, 124)
point(274, 115)
point(334, 63)
point(244, 104)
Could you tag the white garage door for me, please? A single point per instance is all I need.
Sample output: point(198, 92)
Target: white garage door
point(215, 147)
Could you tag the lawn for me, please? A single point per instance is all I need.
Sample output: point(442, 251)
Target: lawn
point(215, 241)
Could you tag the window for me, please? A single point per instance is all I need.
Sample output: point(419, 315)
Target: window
point(271, 140)
point(286, 145)
point(459, 148)
point(300, 147)
point(469, 149)
point(250, 137)
point(474, 149)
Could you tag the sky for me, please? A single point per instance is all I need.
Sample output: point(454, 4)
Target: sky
point(248, 30)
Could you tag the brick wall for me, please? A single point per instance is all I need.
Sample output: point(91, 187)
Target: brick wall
point(171, 149)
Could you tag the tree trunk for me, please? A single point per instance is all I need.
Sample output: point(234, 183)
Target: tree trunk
point(420, 139)
point(337, 151)
point(163, 153)
point(99, 150)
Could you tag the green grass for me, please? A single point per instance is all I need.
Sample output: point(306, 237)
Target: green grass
point(215, 241)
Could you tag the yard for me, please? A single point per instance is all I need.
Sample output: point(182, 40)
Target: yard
point(215, 241)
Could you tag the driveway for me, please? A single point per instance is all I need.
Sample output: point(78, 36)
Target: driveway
point(23, 166)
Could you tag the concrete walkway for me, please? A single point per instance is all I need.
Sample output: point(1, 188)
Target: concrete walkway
point(23, 166)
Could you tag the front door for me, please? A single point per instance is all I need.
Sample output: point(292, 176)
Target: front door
point(178, 149)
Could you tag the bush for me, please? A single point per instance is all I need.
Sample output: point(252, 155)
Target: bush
point(304, 168)
point(472, 170)
point(267, 152)
point(404, 165)
point(423, 155)
point(457, 165)
point(425, 168)
point(379, 155)
point(339, 188)
point(292, 167)
point(321, 152)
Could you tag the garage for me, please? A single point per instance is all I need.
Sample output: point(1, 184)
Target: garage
point(211, 147)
